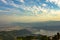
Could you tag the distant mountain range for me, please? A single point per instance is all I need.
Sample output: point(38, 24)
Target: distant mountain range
point(49, 25)
point(34, 27)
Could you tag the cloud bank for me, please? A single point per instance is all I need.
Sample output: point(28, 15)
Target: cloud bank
point(37, 11)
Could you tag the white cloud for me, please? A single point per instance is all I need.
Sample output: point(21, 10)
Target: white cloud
point(22, 1)
point(54, 1)
point(33, 9)
point(47, 0)
point(36, 10)
point(17, 5)
point(4, 1)
point(44, 5)
point(10, 3)
point(13, 4)
point(4, 10)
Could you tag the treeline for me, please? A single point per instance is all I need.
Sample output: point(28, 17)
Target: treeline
point(33, 38)
point(40, 37)
point(16, 35)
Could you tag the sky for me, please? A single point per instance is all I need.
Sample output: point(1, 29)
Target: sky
point(29, 10)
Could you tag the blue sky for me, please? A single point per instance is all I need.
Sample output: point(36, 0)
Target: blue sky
point(29, 10)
